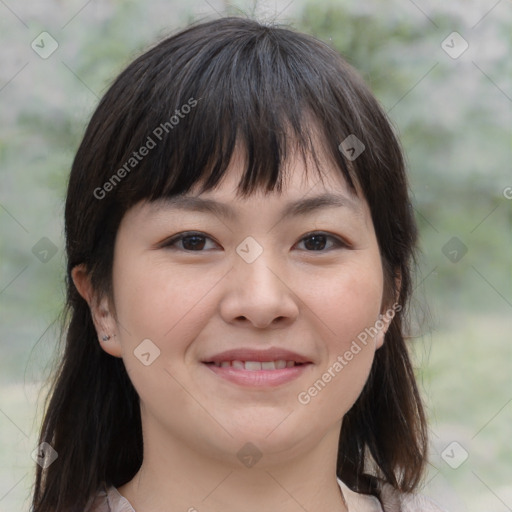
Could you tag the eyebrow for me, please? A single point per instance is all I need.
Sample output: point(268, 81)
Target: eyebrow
point(300, 207)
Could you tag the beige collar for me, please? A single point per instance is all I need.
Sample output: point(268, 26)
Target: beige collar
point(355, 502)
point(359, 502)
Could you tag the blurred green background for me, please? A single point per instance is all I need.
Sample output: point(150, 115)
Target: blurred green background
point(453, 113)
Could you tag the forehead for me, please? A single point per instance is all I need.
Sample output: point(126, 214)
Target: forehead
point(307, 189)
point(300, 179)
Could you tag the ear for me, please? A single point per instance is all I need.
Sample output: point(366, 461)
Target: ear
point(387, 314)
point(102, 317)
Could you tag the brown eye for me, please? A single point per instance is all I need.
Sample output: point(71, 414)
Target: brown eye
point(190, 242)
point(317, 242)
point(197, 242)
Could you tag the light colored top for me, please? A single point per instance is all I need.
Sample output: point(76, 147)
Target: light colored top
point(110, 500)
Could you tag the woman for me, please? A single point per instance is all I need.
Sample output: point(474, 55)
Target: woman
point(239, 241)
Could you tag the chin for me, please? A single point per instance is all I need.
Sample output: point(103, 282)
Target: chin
point(273, 442)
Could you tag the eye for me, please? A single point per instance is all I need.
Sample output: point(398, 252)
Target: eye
point(317, 241)
point(196, 241)
point(191, 241)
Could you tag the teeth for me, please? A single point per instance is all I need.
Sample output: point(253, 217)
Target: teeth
point(256, 365)
point(252, 365)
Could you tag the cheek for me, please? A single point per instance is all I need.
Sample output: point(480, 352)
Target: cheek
point(162, 302)
point(358, 308)
point(346, 302)
point(348, 308)
point(156, 303)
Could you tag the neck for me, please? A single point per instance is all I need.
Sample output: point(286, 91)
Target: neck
point(174, 476)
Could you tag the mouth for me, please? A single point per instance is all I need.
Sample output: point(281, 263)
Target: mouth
point(257, 369)
point(252, 366)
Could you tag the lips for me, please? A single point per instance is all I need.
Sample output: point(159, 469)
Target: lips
point(251, 356)
point(258, 369)
point(256, 365)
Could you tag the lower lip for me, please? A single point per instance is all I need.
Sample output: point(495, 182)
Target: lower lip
point(259, 378)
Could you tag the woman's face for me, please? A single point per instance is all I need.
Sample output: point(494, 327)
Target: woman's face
point(253, 279)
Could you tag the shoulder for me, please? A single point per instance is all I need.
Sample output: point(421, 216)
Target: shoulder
point(108, 499)
point(393, 500)
point(417, 503)
point(359, 502)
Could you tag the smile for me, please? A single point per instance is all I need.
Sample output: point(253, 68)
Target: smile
point(256, 365)
point(258, 374)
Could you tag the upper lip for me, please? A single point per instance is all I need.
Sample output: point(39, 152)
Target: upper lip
point(247, 354)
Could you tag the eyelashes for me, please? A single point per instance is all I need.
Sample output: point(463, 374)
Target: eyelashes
point(195, 241)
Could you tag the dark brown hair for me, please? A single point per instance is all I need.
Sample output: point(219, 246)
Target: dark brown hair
point(263, 87)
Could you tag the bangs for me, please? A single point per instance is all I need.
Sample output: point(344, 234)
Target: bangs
point(194, 102)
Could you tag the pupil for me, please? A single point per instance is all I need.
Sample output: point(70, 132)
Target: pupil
point(193, 245)
point(315, 245)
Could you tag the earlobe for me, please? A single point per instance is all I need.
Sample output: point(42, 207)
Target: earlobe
point(111, 345)
point(104, 322)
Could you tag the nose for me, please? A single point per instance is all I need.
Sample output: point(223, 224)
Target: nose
point(260, 294)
